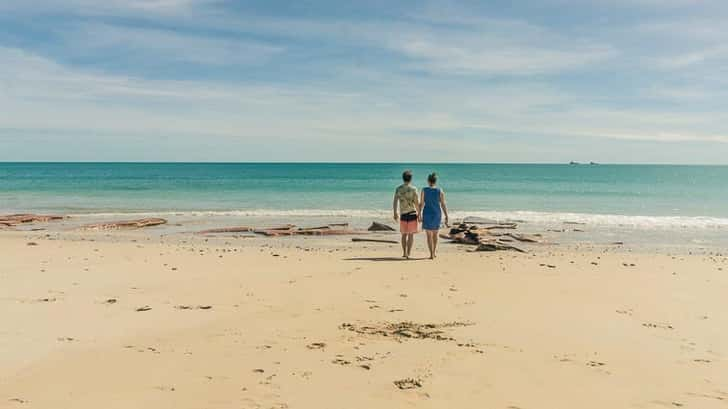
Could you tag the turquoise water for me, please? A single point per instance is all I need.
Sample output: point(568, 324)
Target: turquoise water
point(619, 194)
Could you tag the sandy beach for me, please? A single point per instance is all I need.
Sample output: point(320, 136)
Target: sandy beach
point(100, 320)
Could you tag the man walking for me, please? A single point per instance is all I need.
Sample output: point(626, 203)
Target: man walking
point(407, 200)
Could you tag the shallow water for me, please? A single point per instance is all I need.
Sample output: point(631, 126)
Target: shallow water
point(649, 203)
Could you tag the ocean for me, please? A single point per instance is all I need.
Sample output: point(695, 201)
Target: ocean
point(611, 197)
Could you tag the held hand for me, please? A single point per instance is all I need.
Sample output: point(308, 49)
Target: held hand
point(419, 217)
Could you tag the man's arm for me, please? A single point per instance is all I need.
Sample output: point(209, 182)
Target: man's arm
point(394, 207)
point(420, 205)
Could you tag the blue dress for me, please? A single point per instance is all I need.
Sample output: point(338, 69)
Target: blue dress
point(431, 213)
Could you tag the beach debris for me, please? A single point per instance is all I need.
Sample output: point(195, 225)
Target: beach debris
point(408, 383)
point(490, 223)
point(376, 226)
point(16, 219)
point(125, 224)
point(241, 229)
point(359, 239)
point(31, 243)
point(286, 230)
point(488, 238)
point(144, 308)
point(406, 330)
point(293, 230)
point(496, 246)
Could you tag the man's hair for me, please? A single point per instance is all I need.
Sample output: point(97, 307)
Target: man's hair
point(407, 175)
point(432, 178)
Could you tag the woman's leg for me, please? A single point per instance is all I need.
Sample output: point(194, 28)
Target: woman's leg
point(434, 243)
point(430, 244)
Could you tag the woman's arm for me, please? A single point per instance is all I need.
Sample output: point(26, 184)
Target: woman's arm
point(444, 207)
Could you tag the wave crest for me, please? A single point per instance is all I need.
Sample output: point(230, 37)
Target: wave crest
point(542, 218)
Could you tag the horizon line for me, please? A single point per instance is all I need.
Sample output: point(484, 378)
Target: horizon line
point(367, 163)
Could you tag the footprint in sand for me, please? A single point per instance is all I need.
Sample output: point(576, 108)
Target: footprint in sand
point(408, 383)
point(17, 400)
point(657, 325)
point(316, 345)
point(144, 308)
point(339, 361)
point(190, 307)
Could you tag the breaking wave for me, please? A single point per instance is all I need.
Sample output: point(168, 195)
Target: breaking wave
point(540, 218)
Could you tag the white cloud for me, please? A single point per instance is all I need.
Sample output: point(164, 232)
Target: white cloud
point(156, 45)
point(460, 55)
point(105, 7)
point(39, 94)
point(711, 54)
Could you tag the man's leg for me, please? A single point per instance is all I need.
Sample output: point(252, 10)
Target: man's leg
point(410, 242)
point(404, 245)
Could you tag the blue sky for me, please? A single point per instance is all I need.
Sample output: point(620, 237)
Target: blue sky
point(478, 81)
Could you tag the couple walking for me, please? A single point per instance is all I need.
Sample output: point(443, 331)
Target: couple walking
point(427, 208)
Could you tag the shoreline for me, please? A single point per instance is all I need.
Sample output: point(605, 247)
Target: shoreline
point(567, 232)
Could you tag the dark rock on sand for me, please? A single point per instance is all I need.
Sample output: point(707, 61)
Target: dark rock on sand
point(15, 219)
point(380, 227)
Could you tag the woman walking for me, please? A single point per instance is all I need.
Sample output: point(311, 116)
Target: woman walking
point(432, 207)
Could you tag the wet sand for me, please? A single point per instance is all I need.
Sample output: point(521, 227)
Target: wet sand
point(150, 322)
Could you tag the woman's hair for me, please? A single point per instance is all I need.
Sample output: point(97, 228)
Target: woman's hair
point(407, 176)
point(432, 178)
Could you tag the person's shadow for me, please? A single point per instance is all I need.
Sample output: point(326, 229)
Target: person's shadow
point(385, 259)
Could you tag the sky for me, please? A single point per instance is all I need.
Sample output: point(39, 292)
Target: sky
point(611, 81)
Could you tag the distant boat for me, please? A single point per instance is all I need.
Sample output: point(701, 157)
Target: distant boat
point(574, 163)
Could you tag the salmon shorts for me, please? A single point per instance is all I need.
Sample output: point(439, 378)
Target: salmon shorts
point(409, 227)
point(408, 224)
